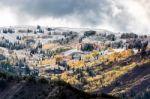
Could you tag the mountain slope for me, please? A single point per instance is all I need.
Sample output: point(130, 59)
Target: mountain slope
point(13, 87)
point(135, 83)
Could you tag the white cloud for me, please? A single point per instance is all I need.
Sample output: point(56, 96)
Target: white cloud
point(55, 22)
point(7, 17)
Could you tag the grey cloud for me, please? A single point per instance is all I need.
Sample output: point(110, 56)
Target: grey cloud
point(57, 8)
point(87, 12)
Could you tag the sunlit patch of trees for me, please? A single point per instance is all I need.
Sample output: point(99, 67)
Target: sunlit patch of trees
point(107, 78)
point(47, 62)
point(92, 56)
point(76, 63)
point(69, 79)
point(116, 56)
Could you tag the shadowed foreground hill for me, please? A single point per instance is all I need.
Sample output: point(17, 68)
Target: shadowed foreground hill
point(13, 87)
point(134, 84)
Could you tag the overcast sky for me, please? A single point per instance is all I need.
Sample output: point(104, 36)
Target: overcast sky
point(113, 15)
